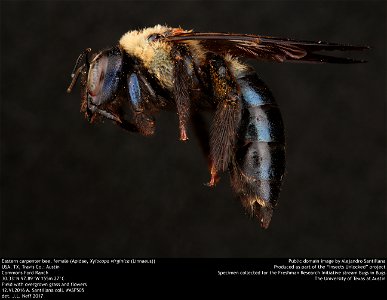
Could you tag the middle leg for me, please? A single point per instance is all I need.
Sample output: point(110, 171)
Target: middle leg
point(202, 133)
point(184, 81)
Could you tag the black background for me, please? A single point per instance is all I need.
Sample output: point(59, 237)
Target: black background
point(72, 189)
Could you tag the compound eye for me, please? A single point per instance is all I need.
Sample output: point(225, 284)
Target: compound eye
point(104, 76)
point(97, 75)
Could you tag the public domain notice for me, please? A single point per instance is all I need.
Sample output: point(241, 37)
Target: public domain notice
point(360, 270)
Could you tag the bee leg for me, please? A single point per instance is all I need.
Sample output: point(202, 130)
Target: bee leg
point(139, 93)
point(227, 116)
point(202, 133)
point(92, 110)
point(214, 175)
point(183, 73)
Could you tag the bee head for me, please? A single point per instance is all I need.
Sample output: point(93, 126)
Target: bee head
point(102, 74)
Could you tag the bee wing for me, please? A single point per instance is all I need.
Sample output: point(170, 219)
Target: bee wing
point(266, 48)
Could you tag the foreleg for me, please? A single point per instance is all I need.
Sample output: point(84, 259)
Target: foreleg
point(92, 111)
point(140, 93)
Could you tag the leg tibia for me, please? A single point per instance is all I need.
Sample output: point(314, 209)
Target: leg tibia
point(227, 115)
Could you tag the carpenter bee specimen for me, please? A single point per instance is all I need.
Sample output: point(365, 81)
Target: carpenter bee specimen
point(163, 68)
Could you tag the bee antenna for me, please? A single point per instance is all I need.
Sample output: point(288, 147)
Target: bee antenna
point(77, 68)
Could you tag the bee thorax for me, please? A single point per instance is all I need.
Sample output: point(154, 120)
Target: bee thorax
point(154, 54)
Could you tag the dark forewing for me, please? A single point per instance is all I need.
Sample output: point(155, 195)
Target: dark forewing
point(266, 48)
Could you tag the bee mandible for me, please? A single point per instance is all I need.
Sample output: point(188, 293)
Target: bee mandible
point(164, 68)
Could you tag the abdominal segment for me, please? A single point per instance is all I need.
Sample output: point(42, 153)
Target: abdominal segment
point(259, 164)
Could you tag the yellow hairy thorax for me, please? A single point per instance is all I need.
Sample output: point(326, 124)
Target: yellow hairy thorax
point(237, 68)
point(155, 55)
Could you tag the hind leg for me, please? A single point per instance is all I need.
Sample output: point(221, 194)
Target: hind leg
point(227, 116)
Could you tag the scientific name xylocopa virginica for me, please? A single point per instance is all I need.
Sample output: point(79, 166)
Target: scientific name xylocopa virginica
point(164, 68)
